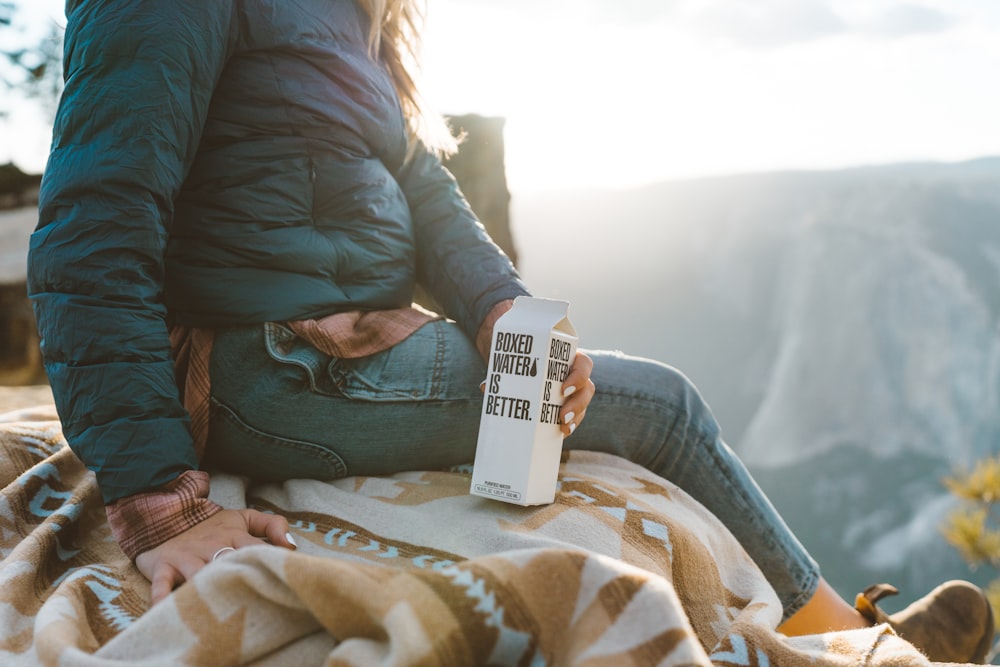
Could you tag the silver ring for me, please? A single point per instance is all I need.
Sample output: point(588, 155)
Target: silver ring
point(222, 551)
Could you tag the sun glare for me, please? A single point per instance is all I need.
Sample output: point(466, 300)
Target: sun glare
point(595, 103)
point(582, 107)
point(595, 98)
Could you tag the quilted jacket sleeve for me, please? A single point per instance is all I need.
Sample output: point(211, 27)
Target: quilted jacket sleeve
point(457, 261)
point(139, 78)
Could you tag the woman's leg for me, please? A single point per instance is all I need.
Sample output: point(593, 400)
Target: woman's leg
point(826, 611)
point(651, 414)
point(282, 409)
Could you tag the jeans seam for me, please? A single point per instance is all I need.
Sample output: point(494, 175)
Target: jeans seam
point(331, 457)
point(808, 587)
point(440, 353)
point(272, 333)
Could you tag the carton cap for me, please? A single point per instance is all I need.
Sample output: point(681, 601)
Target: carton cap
point(552, 312)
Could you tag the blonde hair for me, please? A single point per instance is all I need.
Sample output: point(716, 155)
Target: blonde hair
point(394, 39)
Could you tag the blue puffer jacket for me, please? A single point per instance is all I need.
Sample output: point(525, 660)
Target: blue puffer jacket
point(222, 162)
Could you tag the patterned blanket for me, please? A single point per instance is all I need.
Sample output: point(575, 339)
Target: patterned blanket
point(623, 569)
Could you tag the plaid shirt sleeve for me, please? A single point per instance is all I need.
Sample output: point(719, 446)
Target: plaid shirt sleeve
point(143, 521)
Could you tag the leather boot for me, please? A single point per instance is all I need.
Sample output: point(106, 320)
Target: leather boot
point(952, 623)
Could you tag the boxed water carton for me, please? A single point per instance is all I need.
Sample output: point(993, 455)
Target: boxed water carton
point(520, 440)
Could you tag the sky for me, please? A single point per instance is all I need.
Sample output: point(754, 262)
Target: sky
point(619, 93)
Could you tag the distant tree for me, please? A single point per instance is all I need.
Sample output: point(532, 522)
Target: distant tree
point(974, 528)
point(31, 65)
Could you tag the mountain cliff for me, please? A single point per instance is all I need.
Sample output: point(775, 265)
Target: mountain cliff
point(842, 324)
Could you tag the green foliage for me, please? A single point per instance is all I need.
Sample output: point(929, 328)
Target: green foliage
point(982, 485)
point(968, 531)
point(974, 528)
point(993, 593)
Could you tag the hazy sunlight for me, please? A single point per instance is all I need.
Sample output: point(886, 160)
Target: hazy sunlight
point(594, 96)
point(598, 93)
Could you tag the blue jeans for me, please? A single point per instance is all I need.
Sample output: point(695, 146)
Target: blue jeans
point(281, 409)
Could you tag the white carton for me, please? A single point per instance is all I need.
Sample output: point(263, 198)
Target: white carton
point(520, 442)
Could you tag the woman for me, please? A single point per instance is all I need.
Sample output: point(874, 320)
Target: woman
point(254, 188)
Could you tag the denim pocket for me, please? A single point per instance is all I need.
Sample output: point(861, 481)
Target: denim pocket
point(240, 448)
point(433, 363)
point(285, 347)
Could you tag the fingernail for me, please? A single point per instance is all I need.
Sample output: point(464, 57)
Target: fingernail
point(291, 540)
point(572, 427)
point(568, 417)
point(568, 391)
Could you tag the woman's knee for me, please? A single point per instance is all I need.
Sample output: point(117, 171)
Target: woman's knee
point(642, 403)
point(618, 373)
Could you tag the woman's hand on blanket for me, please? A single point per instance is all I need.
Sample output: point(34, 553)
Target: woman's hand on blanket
point(178, 559)
point(578, 390)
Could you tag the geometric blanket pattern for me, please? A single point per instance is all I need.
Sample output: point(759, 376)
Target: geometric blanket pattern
point(623, 569)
